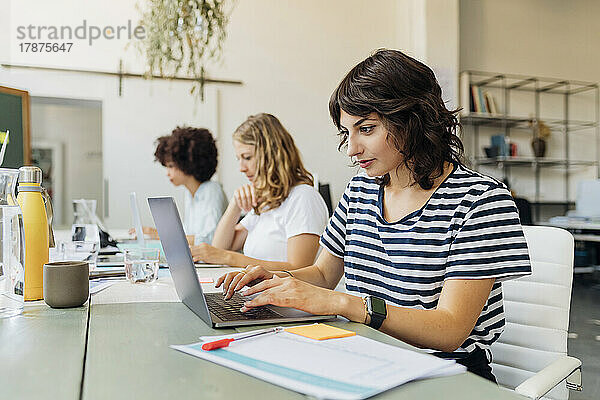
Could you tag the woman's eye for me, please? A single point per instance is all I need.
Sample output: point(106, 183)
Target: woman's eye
point(367, 128)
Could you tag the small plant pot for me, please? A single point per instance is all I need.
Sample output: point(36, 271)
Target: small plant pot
point(539, 147)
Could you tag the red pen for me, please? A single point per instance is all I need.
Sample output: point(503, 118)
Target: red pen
point(217, 344)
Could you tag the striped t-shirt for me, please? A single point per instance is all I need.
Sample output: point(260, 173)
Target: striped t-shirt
point(468, 229)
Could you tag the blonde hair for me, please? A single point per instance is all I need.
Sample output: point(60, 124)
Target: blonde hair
point(278, 163)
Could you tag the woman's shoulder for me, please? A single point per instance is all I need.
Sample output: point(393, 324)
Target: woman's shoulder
point(470, 177)
point(302, 190)
point(467, 186)
point(212, 187)
point(362, 185)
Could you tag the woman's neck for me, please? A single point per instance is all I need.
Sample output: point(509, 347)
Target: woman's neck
point(402, 178)
point(192, 185)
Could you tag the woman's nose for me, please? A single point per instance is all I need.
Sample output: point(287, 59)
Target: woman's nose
point(353, 147)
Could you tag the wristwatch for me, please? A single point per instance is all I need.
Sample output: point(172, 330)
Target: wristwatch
point(377, 310)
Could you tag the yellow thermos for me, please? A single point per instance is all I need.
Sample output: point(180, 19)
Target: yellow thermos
point(37, 224)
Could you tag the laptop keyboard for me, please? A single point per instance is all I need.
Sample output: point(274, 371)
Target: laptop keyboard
point(229, 310)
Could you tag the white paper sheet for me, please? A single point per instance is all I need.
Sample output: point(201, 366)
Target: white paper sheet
point(348, 368)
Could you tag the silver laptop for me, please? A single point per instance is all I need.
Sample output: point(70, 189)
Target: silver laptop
point(137, 220)
point(212, 308)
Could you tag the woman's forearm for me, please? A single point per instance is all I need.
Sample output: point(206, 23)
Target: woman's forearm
point(433, 329)
point(225, 230)
point(236, 259)
point(444, 328)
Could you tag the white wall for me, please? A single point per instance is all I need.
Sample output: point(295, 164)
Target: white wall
point(536, 37)
point(290, 55)
point(550, 38)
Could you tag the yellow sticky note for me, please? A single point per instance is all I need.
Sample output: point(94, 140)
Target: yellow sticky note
point(320, 331)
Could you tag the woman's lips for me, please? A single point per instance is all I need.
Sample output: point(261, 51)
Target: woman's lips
point(365, 163)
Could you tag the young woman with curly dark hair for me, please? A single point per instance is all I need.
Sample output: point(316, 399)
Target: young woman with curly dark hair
point(423, 241)
point(285, 213)
point(190, 156)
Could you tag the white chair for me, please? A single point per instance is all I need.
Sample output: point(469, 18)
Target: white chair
point(531, 355)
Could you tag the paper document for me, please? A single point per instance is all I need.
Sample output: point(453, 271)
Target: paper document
point(100, 284)
point(350, 368)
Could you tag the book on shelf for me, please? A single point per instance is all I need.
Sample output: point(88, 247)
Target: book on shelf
point(490, 102)
point(481, 100)
point(466, 99)
point(474, 99)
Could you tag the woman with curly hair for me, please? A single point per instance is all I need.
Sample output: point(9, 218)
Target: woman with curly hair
point(286, 215)
point(423, 241)
point(190, 156)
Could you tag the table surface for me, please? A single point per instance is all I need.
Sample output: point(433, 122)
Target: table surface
point(45, 353)
point(42, 352)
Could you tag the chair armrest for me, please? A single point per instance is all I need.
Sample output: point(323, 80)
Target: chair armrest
point(542, 382)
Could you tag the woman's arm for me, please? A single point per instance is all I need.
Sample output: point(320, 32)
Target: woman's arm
point(444, 328)
point(301, 251)
point(151, 232)
point(326, 273)
point(227, 233)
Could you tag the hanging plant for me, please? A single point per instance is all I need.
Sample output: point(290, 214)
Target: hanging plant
point(182, 36)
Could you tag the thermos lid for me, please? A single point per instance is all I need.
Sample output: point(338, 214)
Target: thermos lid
point(30, 174)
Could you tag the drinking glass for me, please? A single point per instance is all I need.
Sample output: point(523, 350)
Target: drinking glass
point(141, 265)
point(80, 251)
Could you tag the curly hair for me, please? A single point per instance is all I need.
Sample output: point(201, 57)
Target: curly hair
point(192, 150)
point(406, 96)
point(278, 163)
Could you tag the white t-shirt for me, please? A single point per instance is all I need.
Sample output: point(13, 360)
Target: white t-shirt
point(303, 211)
point(203, 211)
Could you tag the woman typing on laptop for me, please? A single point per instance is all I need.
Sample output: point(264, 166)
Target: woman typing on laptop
point(284, 210)
point(190, 156)
point(423, 241)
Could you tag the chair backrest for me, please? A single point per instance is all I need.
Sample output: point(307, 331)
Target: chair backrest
point(536, 309)
point(326, 194)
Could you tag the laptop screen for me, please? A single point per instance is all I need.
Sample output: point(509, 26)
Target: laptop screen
point(177, 251)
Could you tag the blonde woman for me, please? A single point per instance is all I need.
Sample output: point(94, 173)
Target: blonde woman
point(285, 214)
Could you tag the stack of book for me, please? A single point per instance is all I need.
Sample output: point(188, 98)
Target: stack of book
point(476, 100)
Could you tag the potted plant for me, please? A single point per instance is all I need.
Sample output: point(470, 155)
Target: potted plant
point(541, 133)
point(181, 36)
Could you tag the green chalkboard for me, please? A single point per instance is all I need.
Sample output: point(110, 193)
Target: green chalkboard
point(14, 116)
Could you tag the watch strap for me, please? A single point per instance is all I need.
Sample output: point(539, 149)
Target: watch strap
point(376, 320)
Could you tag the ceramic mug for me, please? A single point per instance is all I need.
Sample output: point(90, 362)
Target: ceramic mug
point(66, 283)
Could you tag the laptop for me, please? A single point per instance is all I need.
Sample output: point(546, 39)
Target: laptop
point(137, 220)
point(212, 308)
point(112, 265)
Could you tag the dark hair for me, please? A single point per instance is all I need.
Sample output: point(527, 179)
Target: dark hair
point(192, 150)
point(408, 99)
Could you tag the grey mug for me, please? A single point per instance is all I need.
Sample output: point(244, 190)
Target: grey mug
point(66, 283)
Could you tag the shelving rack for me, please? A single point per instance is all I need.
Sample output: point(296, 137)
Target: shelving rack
point(507, 120)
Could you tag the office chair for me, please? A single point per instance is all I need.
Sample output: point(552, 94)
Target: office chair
point(531, 355)
point(326, 194)
point(524, 209)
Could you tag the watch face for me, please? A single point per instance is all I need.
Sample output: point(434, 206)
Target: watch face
point(378, 306)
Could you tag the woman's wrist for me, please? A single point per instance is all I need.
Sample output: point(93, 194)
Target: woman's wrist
point(233, 209)
point(229, 258)
point(350, 307)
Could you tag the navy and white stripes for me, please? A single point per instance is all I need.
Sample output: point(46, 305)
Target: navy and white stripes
point(469, 229)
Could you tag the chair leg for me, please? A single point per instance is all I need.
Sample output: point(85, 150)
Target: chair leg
point(574, 381)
